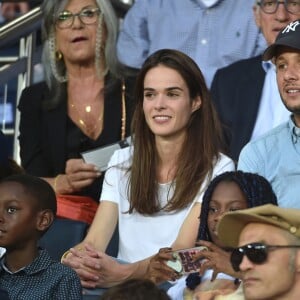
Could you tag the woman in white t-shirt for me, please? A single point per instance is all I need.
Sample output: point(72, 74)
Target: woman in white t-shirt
point(153, 189)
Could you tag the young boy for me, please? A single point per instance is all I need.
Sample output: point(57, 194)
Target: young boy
point(27, 210)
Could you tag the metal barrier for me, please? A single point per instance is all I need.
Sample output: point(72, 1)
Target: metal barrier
point(23, 29)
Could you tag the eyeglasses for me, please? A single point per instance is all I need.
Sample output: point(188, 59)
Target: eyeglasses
point(270, 6)
point(257, 253)
point(87, 16)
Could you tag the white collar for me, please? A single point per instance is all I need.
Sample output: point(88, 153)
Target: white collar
point(209, 3)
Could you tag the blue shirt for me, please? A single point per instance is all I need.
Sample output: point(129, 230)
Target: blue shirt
point(276, 156)
point(272, 111)
point(43, 279)
point(213, 36)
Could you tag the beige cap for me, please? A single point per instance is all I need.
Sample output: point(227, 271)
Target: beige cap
point(233, 223)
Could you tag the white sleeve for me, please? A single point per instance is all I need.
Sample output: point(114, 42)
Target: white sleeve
point(224, 164)
point(115, 176)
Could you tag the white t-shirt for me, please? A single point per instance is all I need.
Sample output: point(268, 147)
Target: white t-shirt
point(141, 236)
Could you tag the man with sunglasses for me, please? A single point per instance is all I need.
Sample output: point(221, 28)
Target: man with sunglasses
point(276, 154)
point(245, 93)
point(266, 250)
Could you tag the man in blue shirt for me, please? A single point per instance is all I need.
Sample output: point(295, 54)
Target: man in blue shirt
point(276, 154)
point(245, 93)
point(214, 33)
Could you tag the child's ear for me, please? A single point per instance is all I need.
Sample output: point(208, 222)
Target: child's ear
point(45, 219)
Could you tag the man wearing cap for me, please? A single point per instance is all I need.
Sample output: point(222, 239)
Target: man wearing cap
point(245, 93)
point(276, 154)
point(266, 242)
point(214, 33)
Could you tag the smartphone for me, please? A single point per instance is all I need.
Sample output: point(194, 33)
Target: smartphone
point(183, 263)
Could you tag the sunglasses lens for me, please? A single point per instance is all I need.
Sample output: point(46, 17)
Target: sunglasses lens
point(236, 258)
point(255, 253)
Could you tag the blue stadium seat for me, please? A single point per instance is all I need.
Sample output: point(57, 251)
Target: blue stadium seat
point(65, 233)
point(62, 235)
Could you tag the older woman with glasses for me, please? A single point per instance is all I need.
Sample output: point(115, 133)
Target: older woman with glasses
point(85, 102)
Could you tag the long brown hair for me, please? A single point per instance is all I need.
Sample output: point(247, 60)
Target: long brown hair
point(200, 149)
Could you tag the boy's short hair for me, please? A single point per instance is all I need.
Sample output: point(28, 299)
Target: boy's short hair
point(41, 191)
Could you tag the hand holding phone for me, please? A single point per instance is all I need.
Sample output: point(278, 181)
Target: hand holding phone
point(184, 260)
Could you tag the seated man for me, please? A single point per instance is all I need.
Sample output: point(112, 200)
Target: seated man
point(245, 93)
point(276, 154)
point(215, 33)
point(268, 253)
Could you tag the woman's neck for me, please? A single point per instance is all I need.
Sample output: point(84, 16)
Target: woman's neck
point(168, 152)
point(86, 104)
point(85, 91)
point(84, 71)
point(83, 76)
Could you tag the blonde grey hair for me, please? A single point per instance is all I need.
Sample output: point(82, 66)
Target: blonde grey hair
point(55, 71)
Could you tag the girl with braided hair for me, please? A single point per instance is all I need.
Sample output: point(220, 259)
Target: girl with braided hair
point(255, 188)
point(227, 192)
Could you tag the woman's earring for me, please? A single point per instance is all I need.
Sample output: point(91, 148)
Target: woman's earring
point(58, 55)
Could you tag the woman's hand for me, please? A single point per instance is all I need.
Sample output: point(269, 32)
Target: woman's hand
point(95, 268)
point(216, 259)
point(79, 259)
point(78, 176)
point(157, 270)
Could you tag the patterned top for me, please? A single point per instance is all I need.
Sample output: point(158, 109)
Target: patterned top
point(43, 279)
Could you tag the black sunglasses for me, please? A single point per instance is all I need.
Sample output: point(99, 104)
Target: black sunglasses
point(255, 252)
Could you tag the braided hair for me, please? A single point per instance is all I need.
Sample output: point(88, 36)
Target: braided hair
point(257, 190)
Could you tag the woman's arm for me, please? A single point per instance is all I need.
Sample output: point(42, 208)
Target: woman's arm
point(88, 258)
point(94, 267)
point(157, 270)
point(100, 270)
point(103, 226)
point(32, 152)
point(187, 235)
